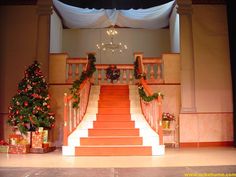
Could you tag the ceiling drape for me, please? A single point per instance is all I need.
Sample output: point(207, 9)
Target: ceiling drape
point(151, 18)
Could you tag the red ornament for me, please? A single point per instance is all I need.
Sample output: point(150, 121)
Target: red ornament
point(17, 111)
point(21, 117)
point(38, 108)
point(53, 125)
point(48, 106)
point(26, 103)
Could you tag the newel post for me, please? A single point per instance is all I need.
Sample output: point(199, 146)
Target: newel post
point(65, 137)
point(139, 56)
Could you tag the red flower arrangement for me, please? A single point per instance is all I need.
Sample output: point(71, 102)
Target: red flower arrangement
point(167, 116)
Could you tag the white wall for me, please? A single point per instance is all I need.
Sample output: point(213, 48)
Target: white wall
point(55, 34)
point(174, 31)
point(212, 63)
point(152, 42)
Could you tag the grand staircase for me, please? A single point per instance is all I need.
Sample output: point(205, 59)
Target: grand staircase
point(113, 126)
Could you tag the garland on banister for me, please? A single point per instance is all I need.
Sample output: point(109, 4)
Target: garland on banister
point(138, 75)
point(85, 74)
point(146, 98)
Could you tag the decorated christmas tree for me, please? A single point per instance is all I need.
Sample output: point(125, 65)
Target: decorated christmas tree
point(30, 107)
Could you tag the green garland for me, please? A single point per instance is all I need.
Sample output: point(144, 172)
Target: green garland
point(138, 75)
point(85, 74)
point(146, 98)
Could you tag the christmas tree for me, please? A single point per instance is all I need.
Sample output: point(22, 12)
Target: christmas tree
point(30, 107)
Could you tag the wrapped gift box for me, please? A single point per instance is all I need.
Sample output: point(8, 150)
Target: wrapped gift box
point(19, 149)
point(37, 139)
point(27, 137)
point(15, 139)
point(45, 145)
point(4, 148)
point(45, 136)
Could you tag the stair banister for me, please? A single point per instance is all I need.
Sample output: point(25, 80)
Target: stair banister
point(153, 110)
point(73, 116)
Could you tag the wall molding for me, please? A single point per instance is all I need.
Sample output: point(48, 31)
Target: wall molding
point(205, 144)
point(207, 113)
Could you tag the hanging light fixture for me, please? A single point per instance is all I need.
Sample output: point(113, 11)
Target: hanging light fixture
point(112, 46)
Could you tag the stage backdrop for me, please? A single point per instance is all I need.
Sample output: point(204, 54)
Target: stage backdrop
point(152, 42)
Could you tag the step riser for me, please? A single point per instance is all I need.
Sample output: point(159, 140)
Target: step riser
point(111, 141)
point(113, 125)
point(113, 151)
point(114, 111)
point(105, 117)
point(102, 104)
point(117, 87)
point(113, 92)
point(113, 132)
point(113, 98)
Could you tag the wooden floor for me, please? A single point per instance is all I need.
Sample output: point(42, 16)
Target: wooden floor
point(174, 157)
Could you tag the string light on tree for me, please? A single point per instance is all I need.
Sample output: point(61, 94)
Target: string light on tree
point(30, 107)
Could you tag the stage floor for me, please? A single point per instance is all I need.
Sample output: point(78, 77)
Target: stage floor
point(174, 157)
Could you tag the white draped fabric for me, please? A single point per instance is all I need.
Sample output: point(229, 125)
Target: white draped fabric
point(151, 18)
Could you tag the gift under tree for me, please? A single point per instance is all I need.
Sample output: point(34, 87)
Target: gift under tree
point(30, 107)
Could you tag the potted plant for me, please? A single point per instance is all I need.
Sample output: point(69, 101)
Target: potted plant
point(166, 119)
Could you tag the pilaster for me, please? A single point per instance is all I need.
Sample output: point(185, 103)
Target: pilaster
point(187, 57)
point(44, 11)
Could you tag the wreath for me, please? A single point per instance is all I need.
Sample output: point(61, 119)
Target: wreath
point(112, 73)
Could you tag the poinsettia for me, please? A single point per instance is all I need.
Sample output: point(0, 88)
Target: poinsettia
point(167, 116)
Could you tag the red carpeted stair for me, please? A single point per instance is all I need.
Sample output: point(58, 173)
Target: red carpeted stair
point(113, 132)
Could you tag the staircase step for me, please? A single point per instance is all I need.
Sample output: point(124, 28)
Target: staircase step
point(112, 125)
point(113, 151)
point(119, 104)
point(120, 97)
point(113, 117)
point(114, 91)
point(113, 132)
point(114, 87)
point(114, 110)
point(133, 140)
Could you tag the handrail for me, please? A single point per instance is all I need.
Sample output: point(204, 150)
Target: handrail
point(73, 116)
point(152, 110)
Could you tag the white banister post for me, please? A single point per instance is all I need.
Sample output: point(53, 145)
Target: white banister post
point(187, 57)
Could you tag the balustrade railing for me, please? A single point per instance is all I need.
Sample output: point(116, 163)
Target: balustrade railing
point(126, 74)
point(153, 69)
point(75, 66)
point(73, 116)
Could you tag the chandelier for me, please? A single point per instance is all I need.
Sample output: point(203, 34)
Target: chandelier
point(112, 46)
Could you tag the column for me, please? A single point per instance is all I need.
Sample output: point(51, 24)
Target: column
point(44, 11)
point(187, 57)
